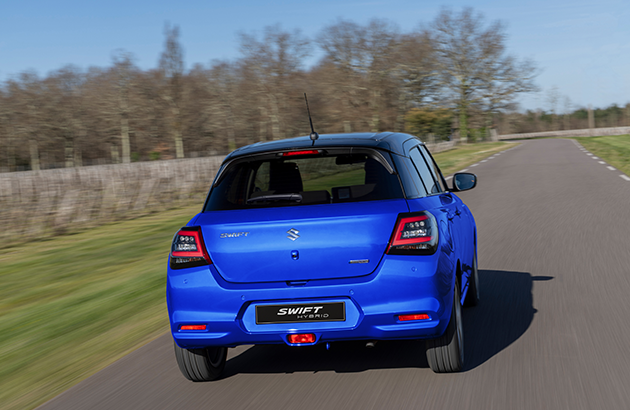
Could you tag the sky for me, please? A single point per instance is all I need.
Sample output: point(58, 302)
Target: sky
point(582, 48)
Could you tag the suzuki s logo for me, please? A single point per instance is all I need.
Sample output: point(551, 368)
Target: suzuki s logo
point(293, 234)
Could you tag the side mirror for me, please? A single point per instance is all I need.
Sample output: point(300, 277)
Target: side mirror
point(463, 181)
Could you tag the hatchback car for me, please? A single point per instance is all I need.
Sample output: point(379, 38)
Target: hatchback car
point(304, 242)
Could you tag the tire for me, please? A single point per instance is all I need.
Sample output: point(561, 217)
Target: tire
point(472, 296)
point(201, 365)
point(446, 353)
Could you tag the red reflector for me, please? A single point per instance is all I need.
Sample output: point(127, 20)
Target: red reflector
point(302, 338)
point(307, 152)
point(193, 327)
point(404, 318)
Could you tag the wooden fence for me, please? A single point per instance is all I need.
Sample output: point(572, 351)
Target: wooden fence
point(41, 203)
point(35, 204)
point(589, 132)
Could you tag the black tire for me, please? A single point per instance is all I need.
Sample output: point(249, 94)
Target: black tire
point(446, 353)
point(472, 296)
point(201, 365)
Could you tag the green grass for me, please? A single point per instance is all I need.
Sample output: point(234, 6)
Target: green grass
point(615, 150)
point(72, 304)
point(461, 157)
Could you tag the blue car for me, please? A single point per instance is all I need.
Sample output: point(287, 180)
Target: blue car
point(304, 242)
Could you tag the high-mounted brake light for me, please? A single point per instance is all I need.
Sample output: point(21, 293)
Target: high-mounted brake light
point(414, 234)
point(305, 152)
point(188, 249)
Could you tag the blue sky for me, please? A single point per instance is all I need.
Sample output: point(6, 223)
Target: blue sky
point(582, 47)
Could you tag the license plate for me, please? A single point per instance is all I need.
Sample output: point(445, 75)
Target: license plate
point(301, 312)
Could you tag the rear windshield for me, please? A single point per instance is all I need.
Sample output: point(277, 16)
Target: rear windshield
point(272, 181)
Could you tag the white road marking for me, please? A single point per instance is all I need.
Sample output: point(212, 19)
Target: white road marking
point(464, 170)
point(474, 165)
point(594, 157)
point(589, 154)
point(611, 168)
point(601, 162)
point(485, 160)
point(447, 178)
point(626, 177)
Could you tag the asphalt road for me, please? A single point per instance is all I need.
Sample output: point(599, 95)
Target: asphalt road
point(552, 329)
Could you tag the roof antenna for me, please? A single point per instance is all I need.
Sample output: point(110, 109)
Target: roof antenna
point(313, 135)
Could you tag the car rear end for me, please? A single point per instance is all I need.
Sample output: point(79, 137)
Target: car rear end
point(304, 246)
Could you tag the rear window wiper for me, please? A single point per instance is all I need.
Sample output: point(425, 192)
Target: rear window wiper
point(276, 197)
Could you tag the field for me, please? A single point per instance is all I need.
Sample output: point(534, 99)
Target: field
point(72, 304)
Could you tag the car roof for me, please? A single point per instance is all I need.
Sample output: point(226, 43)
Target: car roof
point(389, 141)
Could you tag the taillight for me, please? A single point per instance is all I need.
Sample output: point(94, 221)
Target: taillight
point(414, 234)
point(188, 249)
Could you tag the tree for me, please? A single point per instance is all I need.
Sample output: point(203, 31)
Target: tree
point(123, 67)
point(553, 97)
point(474, 67)
point(66, 113)
point(365, 60)
point(27, 104)
point(273, 63)
point(425, 122)
point(416, 72)
point(172, 68)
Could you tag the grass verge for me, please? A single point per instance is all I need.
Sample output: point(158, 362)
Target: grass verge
point(465, 155)
point(614, 149)
point(73, 304)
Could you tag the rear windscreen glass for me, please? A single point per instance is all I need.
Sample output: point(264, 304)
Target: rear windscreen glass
point(273, 181)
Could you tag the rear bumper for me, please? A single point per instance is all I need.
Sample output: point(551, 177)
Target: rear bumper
point(400, 285)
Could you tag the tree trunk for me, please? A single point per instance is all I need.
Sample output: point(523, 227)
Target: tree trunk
point(229, 124)
point(69, 154)
point(275, 121)
point(78, 157)
point(400, 118)
point(463, 125)
point(115, 155)
point(347, 127)
point(179, 143)
point(375, 115)
point(10, 155)
point(263, 123)
point(34, 155)
point(124, 140)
